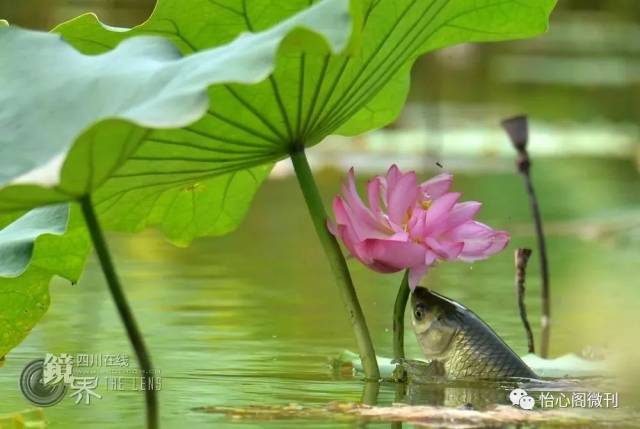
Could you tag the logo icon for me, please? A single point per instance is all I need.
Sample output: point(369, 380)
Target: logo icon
point(36, 390)
point(521, 398)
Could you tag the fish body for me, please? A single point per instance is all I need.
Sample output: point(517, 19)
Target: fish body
point(459, 342)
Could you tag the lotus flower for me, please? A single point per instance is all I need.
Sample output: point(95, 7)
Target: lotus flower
point(411, 226)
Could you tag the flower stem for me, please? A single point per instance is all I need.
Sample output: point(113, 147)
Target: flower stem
point(517, 129)
point(522, 258)
point(370, 392)
point(135, 336)
point(545, 325)
point(337, 262)
point(398, 317)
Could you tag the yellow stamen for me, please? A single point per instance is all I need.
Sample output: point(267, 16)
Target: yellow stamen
point(426, 204)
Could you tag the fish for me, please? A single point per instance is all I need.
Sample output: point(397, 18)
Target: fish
point(460, 343)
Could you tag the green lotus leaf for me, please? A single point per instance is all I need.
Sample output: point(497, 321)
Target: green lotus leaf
point(23, 304)
point(311, 94)
point(70, 120)
point(17, 239)
point(32, 251)
point(93, 111)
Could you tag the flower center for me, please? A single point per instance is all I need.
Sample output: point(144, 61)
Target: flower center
point(425, 204)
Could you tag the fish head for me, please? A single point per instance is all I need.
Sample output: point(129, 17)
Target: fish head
point(434, 323)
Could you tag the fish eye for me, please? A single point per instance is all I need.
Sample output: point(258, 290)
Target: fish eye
point(418, 313)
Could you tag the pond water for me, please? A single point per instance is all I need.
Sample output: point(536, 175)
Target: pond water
point(253, 318)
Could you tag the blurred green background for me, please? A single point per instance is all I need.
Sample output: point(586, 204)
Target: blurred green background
point(252, 318)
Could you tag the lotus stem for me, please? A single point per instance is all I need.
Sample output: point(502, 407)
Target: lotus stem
point(337, 262)
point(521, 259)
point(518, 130)
point(545, 323)
point(370, 392)
point(398, 317)
point(133, 332)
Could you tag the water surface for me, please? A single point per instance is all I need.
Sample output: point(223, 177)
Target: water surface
point(253, 318)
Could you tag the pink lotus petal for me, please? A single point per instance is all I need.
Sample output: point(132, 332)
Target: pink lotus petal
point(339, 211)
point(437, 186)
point(459, 214)
point(463, 212)
point(393, 175)
point(390, 182)
point(381, 267)
point(496, 243)
point(437, 214)
point(416, 224)
point(480, 241)
point(354, 246)
point(399, 236)
point(401, 197)
point(415, 275)
point(447, 250)
point(470, 229)
point(344, 217)
point(351, 196)
point(373, 193)
point(396, 255)
point(362, 225)
point(430, 258)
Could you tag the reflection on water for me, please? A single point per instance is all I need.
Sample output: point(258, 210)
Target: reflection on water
point(253, 317)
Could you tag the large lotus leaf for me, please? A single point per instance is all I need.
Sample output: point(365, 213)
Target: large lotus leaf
point(69, 119)
point(34, 242)
point(200, 172)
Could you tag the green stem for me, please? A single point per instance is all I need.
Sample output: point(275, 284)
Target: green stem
point(398, 317)
point(370, 392)
point(337, 262)
point(135, 336)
